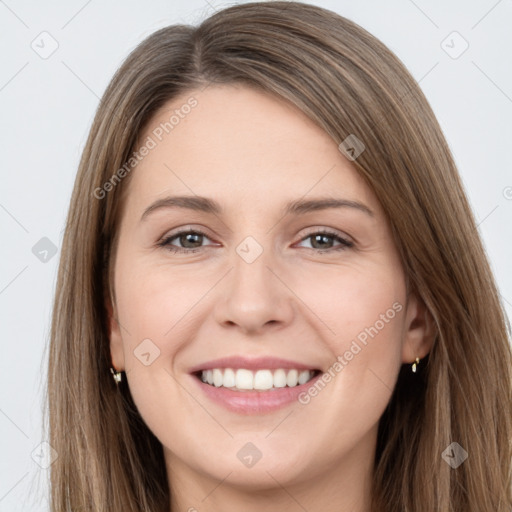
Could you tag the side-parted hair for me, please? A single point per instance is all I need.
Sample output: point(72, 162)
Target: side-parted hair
point(349, 83)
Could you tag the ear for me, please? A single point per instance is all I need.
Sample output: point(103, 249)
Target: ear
point(116, 341)
point(419, 332)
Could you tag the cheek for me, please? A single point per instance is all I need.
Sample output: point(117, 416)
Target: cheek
point(365, 335)
point(158, 316)
point(161, 311)
point(153, 302)
point(352, 302)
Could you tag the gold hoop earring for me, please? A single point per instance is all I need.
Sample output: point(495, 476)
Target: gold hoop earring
point(117, 375)
point(415, 364)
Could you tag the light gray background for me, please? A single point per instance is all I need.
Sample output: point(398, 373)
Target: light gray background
point(47, 106)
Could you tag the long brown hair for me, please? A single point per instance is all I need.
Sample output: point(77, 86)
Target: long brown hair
point(347, 82)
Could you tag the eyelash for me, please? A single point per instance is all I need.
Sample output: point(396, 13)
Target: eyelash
point(166, 242)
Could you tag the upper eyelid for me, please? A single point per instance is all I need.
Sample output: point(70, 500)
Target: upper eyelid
point(330, 231)
point(184, 230)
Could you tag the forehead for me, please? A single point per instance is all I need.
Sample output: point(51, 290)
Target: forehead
point(243, 145)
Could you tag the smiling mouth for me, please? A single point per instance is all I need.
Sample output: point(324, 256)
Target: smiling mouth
point(242, 379)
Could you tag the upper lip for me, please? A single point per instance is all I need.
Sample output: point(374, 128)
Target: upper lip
point(254, 363)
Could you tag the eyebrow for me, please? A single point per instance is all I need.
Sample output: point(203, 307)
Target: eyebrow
point(297, 207)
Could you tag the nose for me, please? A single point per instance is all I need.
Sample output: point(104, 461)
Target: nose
point(254, 296)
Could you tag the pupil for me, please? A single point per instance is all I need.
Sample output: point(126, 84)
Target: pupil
point(321, 238)
point(191, 235)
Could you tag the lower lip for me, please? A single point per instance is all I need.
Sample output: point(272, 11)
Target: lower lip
point(254, 402)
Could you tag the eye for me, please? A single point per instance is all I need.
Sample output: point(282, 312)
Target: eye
point(190, 238)
point(321, 238)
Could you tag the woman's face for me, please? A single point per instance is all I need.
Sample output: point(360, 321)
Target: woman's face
point(262, 281)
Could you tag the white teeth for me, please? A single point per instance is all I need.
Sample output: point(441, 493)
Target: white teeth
point(279, 379)
point(303, 377)
point(263, 379)
point(243, 379)
point(292, 377)
point(217, 378)
point(229, 378)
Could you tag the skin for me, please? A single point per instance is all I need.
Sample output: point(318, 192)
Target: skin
point(252, 153)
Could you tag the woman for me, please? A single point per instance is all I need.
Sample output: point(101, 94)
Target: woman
point(258, 368)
